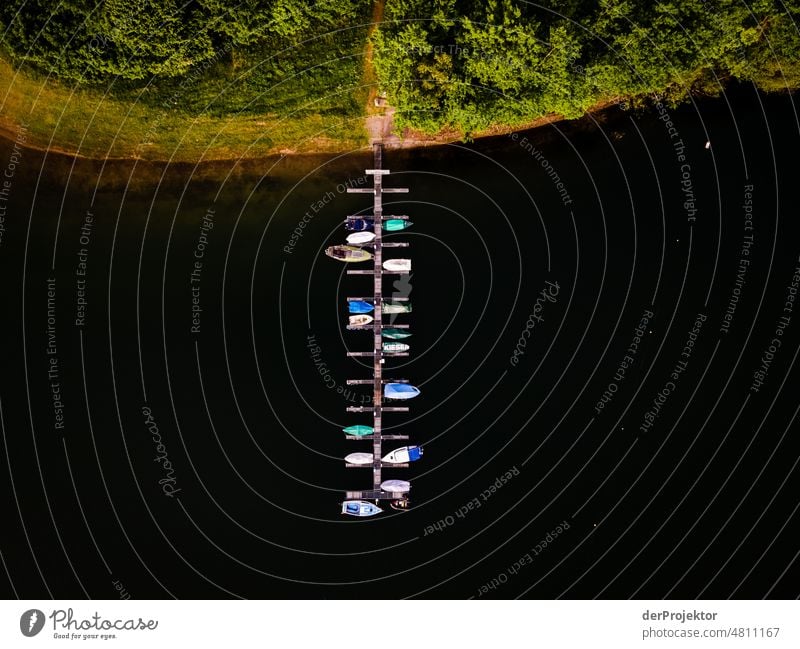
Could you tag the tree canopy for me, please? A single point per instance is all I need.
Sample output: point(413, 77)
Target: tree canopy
point(87, 40)
point(476, 64)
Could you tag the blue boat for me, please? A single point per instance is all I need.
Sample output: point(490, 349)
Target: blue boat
point(400, 391)
point(359, 306)
point(358, 225)
point(360, 508)
point(403, 454)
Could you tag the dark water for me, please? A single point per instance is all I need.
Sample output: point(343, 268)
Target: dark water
point(698, 498)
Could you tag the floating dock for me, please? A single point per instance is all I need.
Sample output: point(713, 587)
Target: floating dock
point(378, 355)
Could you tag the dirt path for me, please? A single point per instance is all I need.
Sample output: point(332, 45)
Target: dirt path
point(380, 116)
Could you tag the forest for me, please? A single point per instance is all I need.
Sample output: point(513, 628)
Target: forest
point(464, 66)
point(473, 65)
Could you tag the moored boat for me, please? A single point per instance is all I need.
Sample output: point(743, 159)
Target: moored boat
point(400, 391)
point(359, 306)
point(393, 333)
point(347, 253)
point(396, 486)
point(360, 237)
point(358, 225)
point(397, 265)
point(360, 320)
point(389, 308)
point(358, 458)
point(358, 430)
point(393, 225)
point(396, 347)
point(360, 508)
point(403, 454)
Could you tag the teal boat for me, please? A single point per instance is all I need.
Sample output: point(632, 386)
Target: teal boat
point(395, 334)
point(393, 225)
point(359, 430)
point(389, 308)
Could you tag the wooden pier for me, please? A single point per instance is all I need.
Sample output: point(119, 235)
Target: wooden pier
point(378, 272)
point(378, 355)
point(370, 326)
point(394, 299)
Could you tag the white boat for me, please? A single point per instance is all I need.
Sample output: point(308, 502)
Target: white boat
point(360, 319)
point(396, 347)
point(396, 486)
point(397, 265)
point(360, 237)
point(358, 458)
point(360, 508)
point(389, 308)
point(403, 455)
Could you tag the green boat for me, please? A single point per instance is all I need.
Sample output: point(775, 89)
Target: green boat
point(389, 307)
point(358, 430)
point(393, 225)
point(395, 334)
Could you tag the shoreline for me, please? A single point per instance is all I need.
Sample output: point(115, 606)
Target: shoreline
point(410, 141)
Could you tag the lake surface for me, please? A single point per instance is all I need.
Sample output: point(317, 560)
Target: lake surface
point(174, 379)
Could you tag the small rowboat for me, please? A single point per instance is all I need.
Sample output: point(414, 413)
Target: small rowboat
point(360, 320)
point(360, 237)
point(389, 308)
point(348, 253)
point(400, 391)
point(359, 225)
point(397, 265)
point(395, 347)
point(358, 458)
point(358, 430)
point(396, 486)
point(360, 508)
point(393, 225)
point(360, 306)
point(395, 334)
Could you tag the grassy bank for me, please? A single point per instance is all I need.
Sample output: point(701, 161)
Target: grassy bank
point(250, 101)
point(89, 124)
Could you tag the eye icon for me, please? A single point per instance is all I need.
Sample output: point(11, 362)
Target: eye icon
point(31, 622)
